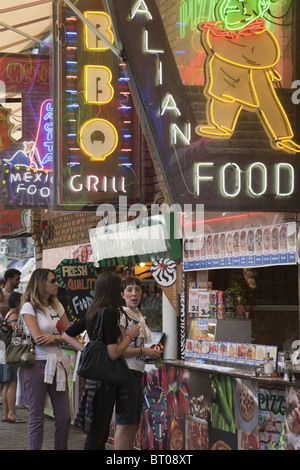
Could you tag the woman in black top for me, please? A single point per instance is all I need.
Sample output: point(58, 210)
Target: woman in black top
point(100, 397)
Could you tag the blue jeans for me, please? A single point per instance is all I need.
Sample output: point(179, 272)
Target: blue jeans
point(36, 390)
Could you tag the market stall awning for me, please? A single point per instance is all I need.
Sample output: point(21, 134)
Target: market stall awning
point(24, 24)
point(140, 240)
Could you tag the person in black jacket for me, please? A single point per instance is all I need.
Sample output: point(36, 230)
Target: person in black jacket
point(99, 398)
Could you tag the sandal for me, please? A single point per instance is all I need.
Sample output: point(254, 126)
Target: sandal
point(16, 421)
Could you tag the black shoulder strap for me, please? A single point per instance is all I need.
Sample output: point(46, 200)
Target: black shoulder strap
point(7, 317)
point(98, 327)
point(126, 317)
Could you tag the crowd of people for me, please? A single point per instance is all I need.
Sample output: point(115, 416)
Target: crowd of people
point(124, 333)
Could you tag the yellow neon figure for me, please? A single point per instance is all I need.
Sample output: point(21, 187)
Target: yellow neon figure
point(240, 71)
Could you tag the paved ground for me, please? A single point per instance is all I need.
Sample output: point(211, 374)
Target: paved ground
point(14, 436)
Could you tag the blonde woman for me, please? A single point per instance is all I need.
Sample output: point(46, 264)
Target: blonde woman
point(45, 320)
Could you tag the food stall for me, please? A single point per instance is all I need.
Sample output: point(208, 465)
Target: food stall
point(227, 391)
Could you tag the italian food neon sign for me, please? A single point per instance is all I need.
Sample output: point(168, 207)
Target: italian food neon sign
point(235, 81)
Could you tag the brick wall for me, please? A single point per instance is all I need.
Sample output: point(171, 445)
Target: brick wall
point(52, 229)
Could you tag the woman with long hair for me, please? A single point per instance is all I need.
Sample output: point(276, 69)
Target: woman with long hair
point(45, 319)
point(95, 419)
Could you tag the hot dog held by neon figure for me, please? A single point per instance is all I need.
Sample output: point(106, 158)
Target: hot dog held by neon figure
point(240, 70)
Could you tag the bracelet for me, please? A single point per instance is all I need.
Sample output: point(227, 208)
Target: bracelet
point(55, 339)
point(141, 356)
point(129, 336)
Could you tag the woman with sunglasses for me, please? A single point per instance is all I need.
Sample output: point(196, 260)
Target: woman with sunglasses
point(45, 319)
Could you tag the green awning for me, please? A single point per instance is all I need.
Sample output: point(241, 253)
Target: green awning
point(140, 240)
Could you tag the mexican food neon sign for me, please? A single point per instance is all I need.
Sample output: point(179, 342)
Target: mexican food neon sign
point(27, 160)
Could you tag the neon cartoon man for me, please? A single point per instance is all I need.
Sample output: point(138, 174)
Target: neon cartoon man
point(240, 70)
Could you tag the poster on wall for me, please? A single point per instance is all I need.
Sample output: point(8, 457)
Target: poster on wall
point(252, 247)
point(76, 281)
point(26, 132)
point(271, 413)
point(183, 409)
point(292, 421)
point(13, 222)
point(231, 142)
point(246, 403)
point(94, 127)
point(164, 272)
point(153, 430)
point(223, 428)
point(200, 410)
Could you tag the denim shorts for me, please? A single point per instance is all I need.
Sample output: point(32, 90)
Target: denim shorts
point(135, 398)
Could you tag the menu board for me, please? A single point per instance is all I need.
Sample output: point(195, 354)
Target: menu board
point(237, 353)
point(251, 247)
point(76, 286)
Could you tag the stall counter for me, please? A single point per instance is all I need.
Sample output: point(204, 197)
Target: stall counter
point(192, 406)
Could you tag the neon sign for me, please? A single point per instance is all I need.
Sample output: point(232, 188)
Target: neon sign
point(27, 163)
point(205, 169)
point(168, 104)
point(255, 186)
point(242, 56)
point(94, 116)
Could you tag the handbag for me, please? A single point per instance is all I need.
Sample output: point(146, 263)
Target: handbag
point(20, 351)
point(95, 364)
point(6, 331)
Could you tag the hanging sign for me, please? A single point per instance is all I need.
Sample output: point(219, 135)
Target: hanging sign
point(13, 222)
point(27, 160)
point(94, 136)
point(202, 157)
point(252, 247)
point(76, 286)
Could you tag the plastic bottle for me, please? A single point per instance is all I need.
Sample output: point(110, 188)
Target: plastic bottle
point(228, 306)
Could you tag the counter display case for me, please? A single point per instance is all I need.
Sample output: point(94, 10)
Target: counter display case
point(206, 407)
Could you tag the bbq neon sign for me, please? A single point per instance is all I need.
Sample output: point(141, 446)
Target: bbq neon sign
point(94, 114)
point(98, 137)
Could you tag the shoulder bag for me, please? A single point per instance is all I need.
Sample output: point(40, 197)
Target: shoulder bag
point(95, 364)
point(6, 330)
point(20, 351)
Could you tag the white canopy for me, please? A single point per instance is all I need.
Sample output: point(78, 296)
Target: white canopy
point(24, 24)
